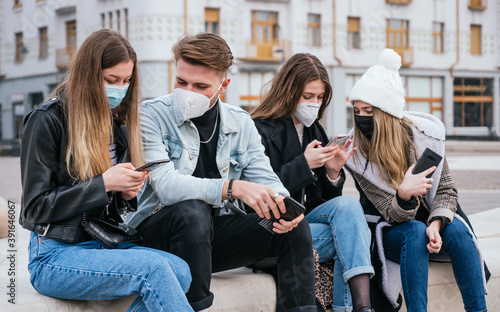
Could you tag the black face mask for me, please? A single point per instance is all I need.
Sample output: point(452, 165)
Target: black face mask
point(365, 125)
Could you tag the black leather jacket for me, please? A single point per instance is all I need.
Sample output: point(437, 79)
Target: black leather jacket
point(52, 201)
point(283, 148)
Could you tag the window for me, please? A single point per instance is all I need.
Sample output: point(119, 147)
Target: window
point(314, 30)
point(397, 34)
point(475, 39)
point(250, 87)
point(118, 26)
point(473, 102)
point(19, 47)
point(353, 34)
point(265, 30)
point(212, 21)
point(110, 14)
point(70, 38)
point(125, 11)
point(103, 20)
point(398, 39)
point(264, 27)
point(44, 43)
point(437, 35)
point(424, 94)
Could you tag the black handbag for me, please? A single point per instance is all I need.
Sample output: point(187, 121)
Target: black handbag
point(111, 234)
point(109, 230)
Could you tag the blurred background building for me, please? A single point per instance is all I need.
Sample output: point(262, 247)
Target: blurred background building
point(449, 48)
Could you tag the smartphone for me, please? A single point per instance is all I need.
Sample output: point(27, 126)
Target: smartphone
point(151, 165)
point(428, 159)
point(293, 210)
point(339, 140)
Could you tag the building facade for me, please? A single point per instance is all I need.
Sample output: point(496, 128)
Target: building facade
point(449, 48)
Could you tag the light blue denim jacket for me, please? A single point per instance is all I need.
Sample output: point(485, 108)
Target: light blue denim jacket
point(240, 155)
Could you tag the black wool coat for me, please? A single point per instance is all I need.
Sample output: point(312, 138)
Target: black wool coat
point(310, 187)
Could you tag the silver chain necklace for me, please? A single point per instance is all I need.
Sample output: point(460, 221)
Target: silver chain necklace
point(215, 127)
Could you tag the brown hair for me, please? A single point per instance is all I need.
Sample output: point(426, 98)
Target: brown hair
point(288, 85)
point(389, 147)
point(86, 106)
point(204, 49)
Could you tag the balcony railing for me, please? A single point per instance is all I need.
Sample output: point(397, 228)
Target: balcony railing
point(63, 56)
point(406, 55)
point(275, 52)
point(477, 4)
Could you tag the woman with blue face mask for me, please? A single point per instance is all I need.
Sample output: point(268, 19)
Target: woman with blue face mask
point(80, 149)
point(288, 121)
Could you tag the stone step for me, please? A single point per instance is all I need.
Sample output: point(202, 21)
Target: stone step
point(242, 290)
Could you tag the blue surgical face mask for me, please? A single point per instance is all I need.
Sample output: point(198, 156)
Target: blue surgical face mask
point(115, 94)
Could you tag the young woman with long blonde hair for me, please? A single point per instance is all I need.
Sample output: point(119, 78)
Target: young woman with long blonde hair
point(416, 216)
point(79, 151)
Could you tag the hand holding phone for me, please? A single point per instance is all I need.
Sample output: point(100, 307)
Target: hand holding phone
point(428, 159)
point(293, 210)
point(152, 164)
point(339, 140)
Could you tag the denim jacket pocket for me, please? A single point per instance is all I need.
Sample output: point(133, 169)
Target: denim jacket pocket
point(239, 161)
point(173, 147)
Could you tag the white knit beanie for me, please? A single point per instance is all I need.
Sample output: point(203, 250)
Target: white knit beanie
point(381, 85)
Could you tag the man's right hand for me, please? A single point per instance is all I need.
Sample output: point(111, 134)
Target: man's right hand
point(258, 197)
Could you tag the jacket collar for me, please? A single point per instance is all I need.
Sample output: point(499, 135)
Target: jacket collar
point(283, 134)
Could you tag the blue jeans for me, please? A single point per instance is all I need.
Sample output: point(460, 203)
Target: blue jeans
point(340, 232)
point(406, 244)
point(87, 271)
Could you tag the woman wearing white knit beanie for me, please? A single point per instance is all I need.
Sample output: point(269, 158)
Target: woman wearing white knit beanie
point(417, 215)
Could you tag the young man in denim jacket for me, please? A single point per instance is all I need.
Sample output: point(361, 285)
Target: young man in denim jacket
point(216, 156)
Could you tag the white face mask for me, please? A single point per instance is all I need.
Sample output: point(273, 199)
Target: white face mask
point(307, 113)
point(193, 104)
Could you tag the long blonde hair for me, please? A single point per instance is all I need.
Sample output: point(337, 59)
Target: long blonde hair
point(389, 147)
point(86, 106)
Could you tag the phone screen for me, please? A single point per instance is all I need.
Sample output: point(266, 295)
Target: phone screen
point(339, 140)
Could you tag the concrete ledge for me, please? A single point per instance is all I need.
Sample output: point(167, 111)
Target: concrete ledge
point(241, 290)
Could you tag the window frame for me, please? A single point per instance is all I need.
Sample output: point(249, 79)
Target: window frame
point(312, 29)
point(476, 50)
point(19, 39)
point(351, 33)
point(212, 16)
point(438, 37)
point(43, 48)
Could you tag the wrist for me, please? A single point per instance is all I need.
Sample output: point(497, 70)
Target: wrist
point(230, 194)
point(403, 194)
point(332, 174)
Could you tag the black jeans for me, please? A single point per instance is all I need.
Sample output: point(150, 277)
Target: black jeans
point(213, 244)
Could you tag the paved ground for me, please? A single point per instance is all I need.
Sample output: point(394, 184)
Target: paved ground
point(475, 167)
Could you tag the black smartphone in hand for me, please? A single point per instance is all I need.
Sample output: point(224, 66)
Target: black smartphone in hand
point(151, 164)
point(428, 159)
point(293, 210)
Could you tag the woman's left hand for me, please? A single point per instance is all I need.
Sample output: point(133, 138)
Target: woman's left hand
point(334, 165)
point(435, 241)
